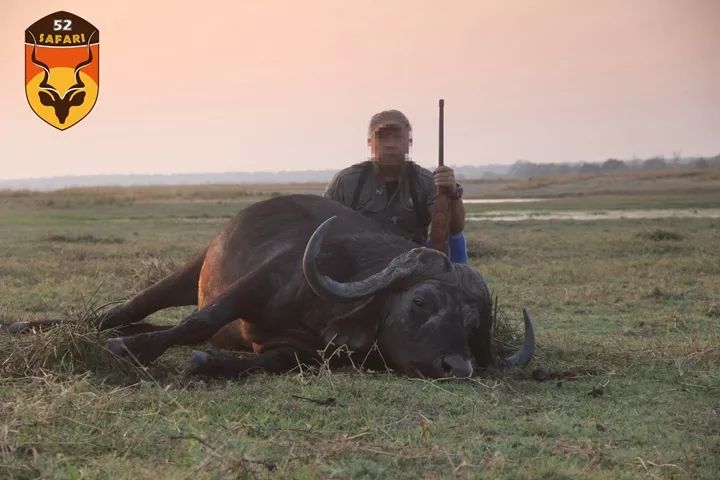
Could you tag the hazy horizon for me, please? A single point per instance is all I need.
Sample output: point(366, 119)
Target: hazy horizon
point(279, 85)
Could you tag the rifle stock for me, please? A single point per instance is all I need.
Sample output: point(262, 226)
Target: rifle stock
point(440, 224)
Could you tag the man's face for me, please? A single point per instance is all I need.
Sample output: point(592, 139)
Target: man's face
point(390, 144)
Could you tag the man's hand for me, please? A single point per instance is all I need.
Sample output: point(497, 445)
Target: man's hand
point(445, 177)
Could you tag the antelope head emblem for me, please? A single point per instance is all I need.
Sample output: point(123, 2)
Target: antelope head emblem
point(73, 96)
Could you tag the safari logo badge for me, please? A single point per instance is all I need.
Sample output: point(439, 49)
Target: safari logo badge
point(62, 52)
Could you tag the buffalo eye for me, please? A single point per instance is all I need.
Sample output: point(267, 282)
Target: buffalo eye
point(419, 302)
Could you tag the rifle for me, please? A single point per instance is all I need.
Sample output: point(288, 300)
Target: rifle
point(440, 224)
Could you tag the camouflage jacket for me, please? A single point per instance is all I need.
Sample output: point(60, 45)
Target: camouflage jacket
point(395, 213)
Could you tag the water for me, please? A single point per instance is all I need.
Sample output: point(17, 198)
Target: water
point(502, 200)
point(586, 215)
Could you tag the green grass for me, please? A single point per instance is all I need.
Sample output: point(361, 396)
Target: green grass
point(627, 315)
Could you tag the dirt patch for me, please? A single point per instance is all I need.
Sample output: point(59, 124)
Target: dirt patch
point(479, 249)
point(641, 329)
point(658, 235)
point(572, 373)
point(713, 310)
point(659, 295)
point(84, 239)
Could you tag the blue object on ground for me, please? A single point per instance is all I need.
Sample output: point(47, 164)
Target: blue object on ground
point(457, 249)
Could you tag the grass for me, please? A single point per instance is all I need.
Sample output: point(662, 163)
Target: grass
point(627, 383)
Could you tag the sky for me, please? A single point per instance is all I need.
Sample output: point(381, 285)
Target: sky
point(256, 85)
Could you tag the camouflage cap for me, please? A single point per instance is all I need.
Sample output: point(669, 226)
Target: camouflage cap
point(388, 117)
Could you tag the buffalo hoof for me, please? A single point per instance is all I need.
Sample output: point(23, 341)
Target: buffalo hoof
point(18, 327)
point(356, 336)
point(137, 347)
point(199, 359)
point(206, 363)
point(31, 326)
point(216, 364)
point(117, 347)
point(116, 317)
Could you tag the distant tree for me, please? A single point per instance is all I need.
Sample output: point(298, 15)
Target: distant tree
point(654, 163)
point(612, 164)
point(700, 163)
point(677, 158)
point(634, 163)
point(563, 169)
point(589, 168)
point(521, 168)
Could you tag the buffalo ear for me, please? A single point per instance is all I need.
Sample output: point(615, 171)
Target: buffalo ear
point(481, 347)
point(77, 99)
point(45, 98)
point(478, 315)
point(356, 329)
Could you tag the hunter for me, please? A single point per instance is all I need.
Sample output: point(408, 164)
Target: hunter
point(396, 192)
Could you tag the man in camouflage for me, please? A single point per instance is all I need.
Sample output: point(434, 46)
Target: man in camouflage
point(394, 191)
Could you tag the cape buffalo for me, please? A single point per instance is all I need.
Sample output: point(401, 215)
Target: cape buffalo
point(290, 274)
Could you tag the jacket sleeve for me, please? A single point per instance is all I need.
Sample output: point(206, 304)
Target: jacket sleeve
point(430, 196)
point(428, 188)
point(334, 190)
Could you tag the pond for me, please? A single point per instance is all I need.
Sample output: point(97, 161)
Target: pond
point(585, 215)
point(502, 200)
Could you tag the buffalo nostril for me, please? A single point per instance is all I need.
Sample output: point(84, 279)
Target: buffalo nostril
point(456, 366)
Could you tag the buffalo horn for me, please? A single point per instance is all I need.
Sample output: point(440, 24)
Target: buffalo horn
point(523, 356)
point(418, 262)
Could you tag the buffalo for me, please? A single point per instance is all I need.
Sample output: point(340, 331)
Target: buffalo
point(289, 275)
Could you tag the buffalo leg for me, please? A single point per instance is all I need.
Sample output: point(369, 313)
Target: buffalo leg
point(41, 325)
point(141, 327)
point(31, 326)
point(177, 289)
point(216, 364)
point(243, 299)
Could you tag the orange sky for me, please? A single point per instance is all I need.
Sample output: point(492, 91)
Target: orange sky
point(284, 85)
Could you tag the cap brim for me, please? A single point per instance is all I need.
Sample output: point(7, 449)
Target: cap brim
point(394, 123)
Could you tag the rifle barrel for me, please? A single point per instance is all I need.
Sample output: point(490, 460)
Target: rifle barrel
point(441, 139)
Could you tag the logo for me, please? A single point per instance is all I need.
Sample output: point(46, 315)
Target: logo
point(62, 52)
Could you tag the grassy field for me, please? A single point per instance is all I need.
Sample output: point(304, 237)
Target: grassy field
point(626, 383)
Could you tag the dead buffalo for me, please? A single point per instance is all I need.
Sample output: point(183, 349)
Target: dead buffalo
point(288, 275)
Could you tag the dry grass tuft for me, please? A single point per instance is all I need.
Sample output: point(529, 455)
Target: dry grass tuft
point(70, 348)
point(151, 270)
point(482, 249)
point(659, 234)
point(508, 331)
point(655, 294)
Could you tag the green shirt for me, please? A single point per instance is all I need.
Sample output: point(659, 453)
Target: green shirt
point(396, 212)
